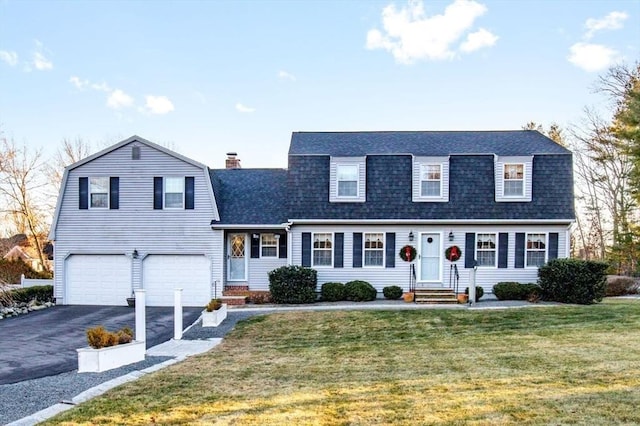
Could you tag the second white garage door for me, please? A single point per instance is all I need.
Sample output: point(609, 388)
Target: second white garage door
point(164, 273)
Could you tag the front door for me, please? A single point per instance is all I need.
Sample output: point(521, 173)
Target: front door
point(237, 266)
point(430, 257)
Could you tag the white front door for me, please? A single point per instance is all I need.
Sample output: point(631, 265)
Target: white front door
point(430, 257)
point(237, 266)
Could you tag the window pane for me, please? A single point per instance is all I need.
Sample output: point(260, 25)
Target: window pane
point(100, 185)
point(513, 171)
point(430, 188)
point(349, 172)
point(347, 188)
point(99, 200)
point(486, 258)
point(513, 187)
point(322, 240)
point(432, 172)
point(173, 200)
point(174, 184)
point(373, 257)
point(536, 241)
point(535, 258)
point(486, 241)
point(322, 257)
point(269, 251)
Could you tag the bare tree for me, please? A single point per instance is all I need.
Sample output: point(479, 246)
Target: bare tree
point(69, 152)
point(555, 132)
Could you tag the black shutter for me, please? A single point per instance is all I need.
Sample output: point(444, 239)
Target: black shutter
point(553, 245)
point(503, 249)
point(84, 193)
point(114, 193)
point(306, 249)
point(357, 249)
point(188, 193)
point(469, 250)
point(282, 246)
point(338, 250)
point(519, 250)
point(390, 250)
point(255, 246)
point(157, 193)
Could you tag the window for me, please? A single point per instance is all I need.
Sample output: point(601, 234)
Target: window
point(514, 180)
point(374, 249)
point(347, 176)
point(536, 249)
point(430, 180)
point(173, 192)
point(268, 245)
point(99, 190)
point(486, 249)
point(322, 249)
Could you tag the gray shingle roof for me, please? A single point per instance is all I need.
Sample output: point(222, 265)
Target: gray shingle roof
point(428, 143)
point(250, 196)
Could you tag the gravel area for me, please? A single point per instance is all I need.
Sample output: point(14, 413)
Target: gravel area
point(18, 400)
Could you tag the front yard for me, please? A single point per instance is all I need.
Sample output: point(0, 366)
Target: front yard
point(548, 365)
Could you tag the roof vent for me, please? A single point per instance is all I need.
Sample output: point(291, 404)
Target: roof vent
point(232, 161)
point(135, 152)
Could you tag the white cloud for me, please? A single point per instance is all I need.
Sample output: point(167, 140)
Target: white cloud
point(592, 57)
point(80, 84)
point(119, 99)
point(10, 58)
point(409, 34)
point(244, 108)
point(478, 40)
point(40, 62)
point(286, 76)
point(158, 104)
point(101, 87)
point(613, 21)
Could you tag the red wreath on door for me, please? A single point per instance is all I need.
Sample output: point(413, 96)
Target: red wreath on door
point(453, 253)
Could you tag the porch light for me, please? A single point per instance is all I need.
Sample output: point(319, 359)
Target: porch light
point(410, 235)
point(134, 254)
point(256, 236)
point(450, 235)
point(276, 236)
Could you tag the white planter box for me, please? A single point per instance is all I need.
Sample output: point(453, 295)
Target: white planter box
point(92, 360)
point(214, 318)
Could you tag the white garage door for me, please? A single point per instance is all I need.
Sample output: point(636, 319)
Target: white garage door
point(164, 273)
point(98, 279)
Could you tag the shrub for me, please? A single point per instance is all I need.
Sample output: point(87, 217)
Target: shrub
point(508, 290)
point(392, 292)
point(479, 292)
point(293, 284)
point(360, 291)
point(98, 337)
point(619, 286)
point(125, 336)
point(214, 305)
point(573, 281)
point(41, 293)
point(333, 292)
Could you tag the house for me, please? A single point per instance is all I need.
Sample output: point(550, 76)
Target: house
point(18, 247)
point(138, 215)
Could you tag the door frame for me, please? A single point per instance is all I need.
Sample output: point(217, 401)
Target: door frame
point(440, 257)
point(246, 262)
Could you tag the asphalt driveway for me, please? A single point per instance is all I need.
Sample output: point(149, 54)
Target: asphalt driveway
point(44, 343)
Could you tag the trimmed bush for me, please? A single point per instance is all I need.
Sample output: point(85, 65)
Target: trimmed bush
point(213, 305)
point(573, 281)
point(293, 284)
point(479, 292)
point(392, 292)
point(509, 290)
point(99, 337)
point(333, 292)
point(360, 291)
point(41, 293)
point(621, 286)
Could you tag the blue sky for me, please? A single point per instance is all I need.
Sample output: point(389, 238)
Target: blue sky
point(208, 77)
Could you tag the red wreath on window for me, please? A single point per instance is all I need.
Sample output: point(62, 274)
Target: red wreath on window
point(408, 253)
point(453, 253)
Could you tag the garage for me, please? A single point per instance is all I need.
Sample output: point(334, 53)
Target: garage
point(162, 274)
point(98, 279)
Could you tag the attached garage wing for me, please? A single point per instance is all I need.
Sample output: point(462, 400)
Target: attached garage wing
point(98, 279)
point(162, 274)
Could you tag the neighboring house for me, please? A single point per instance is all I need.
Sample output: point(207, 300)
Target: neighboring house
point(18, 247)
point(137, 215)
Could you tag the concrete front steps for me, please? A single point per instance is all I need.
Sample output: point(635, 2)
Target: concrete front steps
point(435, 296)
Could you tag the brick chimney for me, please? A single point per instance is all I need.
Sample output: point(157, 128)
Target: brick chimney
point(232, 161)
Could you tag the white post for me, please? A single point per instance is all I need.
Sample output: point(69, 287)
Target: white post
point(22, 280)
point(141, 326)
point(177, 313)
point(472, 287)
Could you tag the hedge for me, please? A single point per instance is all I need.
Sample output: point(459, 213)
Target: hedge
point(573, 281)
point(509, 290)
point(293, 284)
point(360, 291)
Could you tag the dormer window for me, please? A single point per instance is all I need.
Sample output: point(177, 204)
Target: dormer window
point(430, 179)
point(347, 180)
point(513, 179)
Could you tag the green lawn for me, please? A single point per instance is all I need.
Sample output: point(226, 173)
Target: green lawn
point(546, 365)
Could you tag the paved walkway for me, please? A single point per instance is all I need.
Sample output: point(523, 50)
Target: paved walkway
point(198, 339)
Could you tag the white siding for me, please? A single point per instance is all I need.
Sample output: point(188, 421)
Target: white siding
point(135, 225)
point(361, 162)
point(416, 192)
point(382, 277)
point(259, 270)
point(499, 178)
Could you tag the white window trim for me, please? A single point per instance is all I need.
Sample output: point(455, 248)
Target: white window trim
point(277, 246)
point(361, 188)
point(495, 259)
point(526, 250)
point(108, 193)
point(527, 187)
point(430, 197)
point(384, 250)
point(333, 241)
point(416, 179)
point(164, 192)
point(348, 197)
point(524, 180)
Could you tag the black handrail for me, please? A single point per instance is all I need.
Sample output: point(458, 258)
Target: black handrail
point(412, 277)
